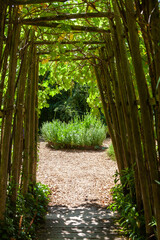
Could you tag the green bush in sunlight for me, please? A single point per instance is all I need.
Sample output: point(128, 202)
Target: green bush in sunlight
point(77, 133)
point(111, 153)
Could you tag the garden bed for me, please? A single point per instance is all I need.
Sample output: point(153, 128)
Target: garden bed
point(68, 146)
point(88, 133)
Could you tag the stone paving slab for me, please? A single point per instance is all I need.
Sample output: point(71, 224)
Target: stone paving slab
point(85, 223)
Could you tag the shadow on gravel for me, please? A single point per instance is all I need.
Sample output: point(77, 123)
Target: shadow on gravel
point(88, 221)
point(77, 149)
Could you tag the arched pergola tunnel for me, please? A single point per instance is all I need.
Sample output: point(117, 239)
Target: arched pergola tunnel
point(126, 67)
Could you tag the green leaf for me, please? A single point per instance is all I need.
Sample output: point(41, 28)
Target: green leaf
point(157, 182)
point(157, 84)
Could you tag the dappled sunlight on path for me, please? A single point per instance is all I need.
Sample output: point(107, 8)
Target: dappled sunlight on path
point(89, 221)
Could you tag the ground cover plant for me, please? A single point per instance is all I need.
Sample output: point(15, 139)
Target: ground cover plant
point(22, 221)
point(89, 132)
point(130, 219)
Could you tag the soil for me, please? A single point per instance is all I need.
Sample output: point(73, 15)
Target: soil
point(77, 177)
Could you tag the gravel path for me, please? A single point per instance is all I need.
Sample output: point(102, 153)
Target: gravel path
point(80, 181)
point(76, 177)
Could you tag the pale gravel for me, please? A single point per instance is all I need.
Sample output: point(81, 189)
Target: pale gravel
point(76, 177)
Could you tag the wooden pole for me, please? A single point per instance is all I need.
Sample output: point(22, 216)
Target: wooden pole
point(8, 118)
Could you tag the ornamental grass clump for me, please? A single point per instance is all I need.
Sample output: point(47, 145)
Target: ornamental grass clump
point(89, 132)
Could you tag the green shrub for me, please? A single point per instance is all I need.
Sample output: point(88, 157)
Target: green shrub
point(131, 221)
point(111, 152)
point(66, 104)
point(30, 211)
point(77, 133)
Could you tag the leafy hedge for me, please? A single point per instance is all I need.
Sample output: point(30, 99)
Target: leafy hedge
point(88, 132)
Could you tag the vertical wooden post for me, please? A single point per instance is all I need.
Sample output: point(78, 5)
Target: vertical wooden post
point(32, 164)
point(146, 112)
point(120, 116)
point(134, 120)
point(3, 8)
point(114, 129)
point(36, 116)
point(18, 136)
point(8, 117)
point(27, 119)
